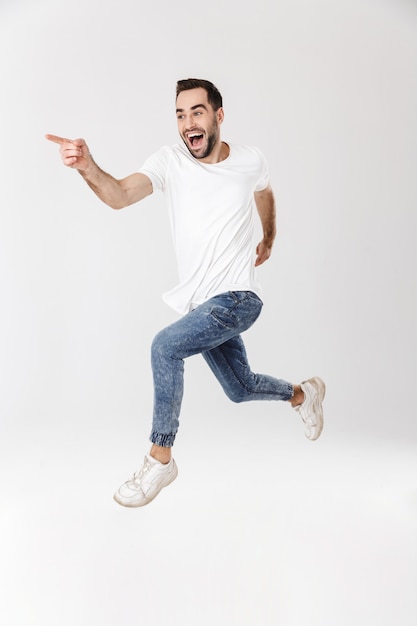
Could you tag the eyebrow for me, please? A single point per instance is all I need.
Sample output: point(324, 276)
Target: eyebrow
point(196, 106)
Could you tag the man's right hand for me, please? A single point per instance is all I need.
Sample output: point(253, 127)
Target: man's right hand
point(74, 152)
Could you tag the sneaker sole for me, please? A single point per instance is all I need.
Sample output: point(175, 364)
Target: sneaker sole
point(320, 387)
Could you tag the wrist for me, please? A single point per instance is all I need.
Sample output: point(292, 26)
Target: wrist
point(89, 168)
point(269, 240)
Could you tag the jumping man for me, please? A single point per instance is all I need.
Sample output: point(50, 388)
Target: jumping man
point(213, 191)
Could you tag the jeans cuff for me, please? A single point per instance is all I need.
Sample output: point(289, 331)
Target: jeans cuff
point(161, 439)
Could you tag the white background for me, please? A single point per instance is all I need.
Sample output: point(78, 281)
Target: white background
point(261, 526)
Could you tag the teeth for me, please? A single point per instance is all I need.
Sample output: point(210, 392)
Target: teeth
point(194, 135)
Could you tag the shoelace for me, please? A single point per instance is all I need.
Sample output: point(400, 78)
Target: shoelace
point(137, 476)
point(309, 421)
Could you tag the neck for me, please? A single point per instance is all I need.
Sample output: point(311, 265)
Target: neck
point(219, 153)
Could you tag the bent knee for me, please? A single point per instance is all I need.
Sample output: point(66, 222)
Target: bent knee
point(165, 345)
point(160, 344)
point(236, 395)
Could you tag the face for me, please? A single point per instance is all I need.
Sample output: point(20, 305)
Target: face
point(198, 123)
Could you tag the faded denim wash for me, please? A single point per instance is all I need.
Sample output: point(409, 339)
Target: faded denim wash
point(212, 329)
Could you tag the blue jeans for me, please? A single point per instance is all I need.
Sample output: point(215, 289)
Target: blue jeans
point(212, 329)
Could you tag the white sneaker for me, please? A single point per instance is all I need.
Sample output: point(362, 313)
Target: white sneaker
point(311, 409)
point(146, 483)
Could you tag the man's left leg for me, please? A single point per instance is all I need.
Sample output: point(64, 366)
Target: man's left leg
point(230, 365)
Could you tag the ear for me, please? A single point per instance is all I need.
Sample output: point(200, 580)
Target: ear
point(220, 115)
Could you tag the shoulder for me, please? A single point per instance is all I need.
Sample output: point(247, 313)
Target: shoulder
point(249, 156)
point(176, 153)
point(166, 164)
point(249, 152)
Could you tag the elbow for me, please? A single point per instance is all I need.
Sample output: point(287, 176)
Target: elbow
point(116, 205)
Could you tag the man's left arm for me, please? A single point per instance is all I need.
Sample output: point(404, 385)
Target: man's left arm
point(265, 203)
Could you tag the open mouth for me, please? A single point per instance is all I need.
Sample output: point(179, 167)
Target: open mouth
point(195, 139)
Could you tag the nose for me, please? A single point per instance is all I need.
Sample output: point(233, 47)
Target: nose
point(188, 122)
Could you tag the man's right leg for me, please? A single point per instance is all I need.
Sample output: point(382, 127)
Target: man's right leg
point(209, 325)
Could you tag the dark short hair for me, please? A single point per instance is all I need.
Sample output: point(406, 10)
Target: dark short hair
point(213, 94)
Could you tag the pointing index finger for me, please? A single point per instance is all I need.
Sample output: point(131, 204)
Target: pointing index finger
point(59, 140)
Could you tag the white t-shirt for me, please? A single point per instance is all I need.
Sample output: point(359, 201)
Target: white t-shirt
point(212, 211)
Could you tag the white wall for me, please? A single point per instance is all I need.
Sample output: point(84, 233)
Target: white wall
point(327, 89)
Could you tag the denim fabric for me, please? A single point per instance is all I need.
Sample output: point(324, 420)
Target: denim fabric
point(212, 329)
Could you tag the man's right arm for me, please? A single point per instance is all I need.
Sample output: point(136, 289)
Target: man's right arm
point(115, 193)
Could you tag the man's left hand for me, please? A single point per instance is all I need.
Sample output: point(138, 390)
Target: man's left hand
point(263, 252)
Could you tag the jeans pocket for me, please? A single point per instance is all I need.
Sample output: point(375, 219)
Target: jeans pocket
point(224, 317)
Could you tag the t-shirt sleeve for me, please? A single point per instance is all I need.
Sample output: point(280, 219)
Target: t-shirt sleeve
point(156, 166)
point(263, 173)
